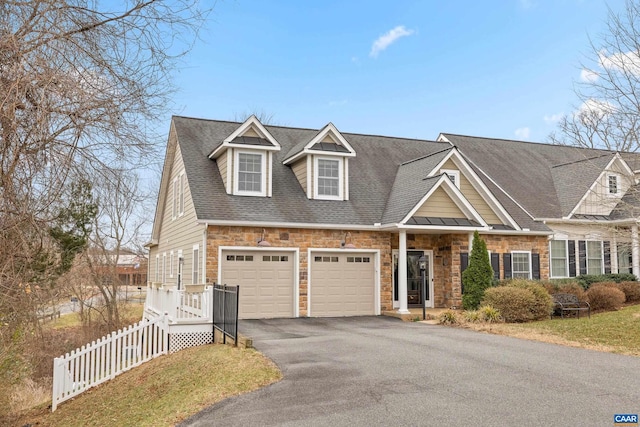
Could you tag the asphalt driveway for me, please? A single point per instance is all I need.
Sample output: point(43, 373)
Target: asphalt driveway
point(378, 371)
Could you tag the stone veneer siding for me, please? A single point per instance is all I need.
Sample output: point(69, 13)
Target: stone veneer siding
point(446, 254)
point(303, 239)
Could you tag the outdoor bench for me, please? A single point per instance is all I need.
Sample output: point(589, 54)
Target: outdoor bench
point(569, 303)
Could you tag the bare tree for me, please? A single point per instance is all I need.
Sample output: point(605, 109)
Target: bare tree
point(81, 86)
point(608, 114)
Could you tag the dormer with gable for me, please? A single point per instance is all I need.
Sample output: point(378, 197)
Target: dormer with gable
point(245, 160)
point(321, 165)
point(607, 190)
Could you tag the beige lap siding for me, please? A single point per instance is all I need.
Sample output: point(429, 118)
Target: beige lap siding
point(303, 239)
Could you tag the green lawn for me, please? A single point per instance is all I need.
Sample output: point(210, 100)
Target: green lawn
point(614, 331)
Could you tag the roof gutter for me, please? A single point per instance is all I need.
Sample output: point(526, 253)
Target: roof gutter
point(628, 221)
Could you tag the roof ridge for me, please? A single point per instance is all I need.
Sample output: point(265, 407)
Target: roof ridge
point(314, 130)
point(428, 155)
point(548, 144)
point(583, 160)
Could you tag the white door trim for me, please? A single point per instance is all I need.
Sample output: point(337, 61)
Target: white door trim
point(376, 257)
point(429, 254)
point(296, 268)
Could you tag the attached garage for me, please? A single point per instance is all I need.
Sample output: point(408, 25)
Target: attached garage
point(342, 284)
point(266, 280)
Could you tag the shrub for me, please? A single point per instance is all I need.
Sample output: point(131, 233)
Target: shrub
point(543, 304)
point(513, 303)
point(489, 314)
point(448, 317)
point(478, 276)
point(586, 280)
point(472, 316)
point(631, 291)
point(605, 297)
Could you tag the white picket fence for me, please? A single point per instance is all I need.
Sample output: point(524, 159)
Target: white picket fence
point(104, 359)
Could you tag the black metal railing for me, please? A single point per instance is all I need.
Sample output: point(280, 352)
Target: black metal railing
point(225, 311)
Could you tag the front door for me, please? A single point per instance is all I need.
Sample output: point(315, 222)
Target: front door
point(414, 279)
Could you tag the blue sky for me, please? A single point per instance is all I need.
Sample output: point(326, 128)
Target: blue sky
point(502, 69)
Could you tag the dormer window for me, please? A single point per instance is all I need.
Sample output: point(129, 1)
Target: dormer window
point(613, 187)
point(454, 176)
point(245, 159)
point(321, 164)
point(328, 178)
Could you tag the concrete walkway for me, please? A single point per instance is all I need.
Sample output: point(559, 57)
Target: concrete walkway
point(380, 371)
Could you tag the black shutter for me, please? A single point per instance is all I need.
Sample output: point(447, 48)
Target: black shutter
point(607, 257)
point(464, 263)
point(582, 256)
point(495, 264)
point(535, 266)
point(506, 262)
point(572, 258)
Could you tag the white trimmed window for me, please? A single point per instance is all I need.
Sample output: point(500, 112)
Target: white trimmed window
point(171, 264)
point(453, 175)
point(164, 267)
point(594, 257)
point(181, 192)
point(195, 276)
point(613, 187)
point(174, 211)
point(328, 173)
point(559, 258)
point(157, 268)
point(521, 265)
point(250, 176)
point(624, 259)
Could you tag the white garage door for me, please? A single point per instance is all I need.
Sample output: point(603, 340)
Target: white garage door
point(265, 279)
point(342, 284)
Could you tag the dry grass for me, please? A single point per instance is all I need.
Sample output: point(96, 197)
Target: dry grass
point(614, 331)
point(164, 391)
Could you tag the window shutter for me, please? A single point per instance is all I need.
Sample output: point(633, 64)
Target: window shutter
point(535, 266)
point(464, 263)
point(495, 264)
point(572, 258)
point(607, 257)
point(506, 262)
point(582, 256)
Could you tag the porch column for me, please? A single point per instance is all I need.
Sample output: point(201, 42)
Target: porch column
point(402, 273)
point(635, 251)
point(614, 253)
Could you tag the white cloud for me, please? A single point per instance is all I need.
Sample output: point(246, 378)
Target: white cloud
point(588, 75)
point(553, 118)
point(385, 40)
point(622, 61)
point(593, 110)
point(523, 133)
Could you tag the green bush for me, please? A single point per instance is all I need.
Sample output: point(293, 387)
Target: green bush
point(543, 304)
point(586, 280)
point(631, 291)
point(603, 296)
point(513, 303)
point(478, 276)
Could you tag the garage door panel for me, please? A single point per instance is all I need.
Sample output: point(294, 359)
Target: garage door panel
point(342, 284)
point(265, 280)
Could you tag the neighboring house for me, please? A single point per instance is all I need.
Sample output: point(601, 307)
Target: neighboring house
point(130, 267)
point(324, 223)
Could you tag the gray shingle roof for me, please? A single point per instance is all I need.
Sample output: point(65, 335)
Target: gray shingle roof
point(546, 180)
point(371, 176)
